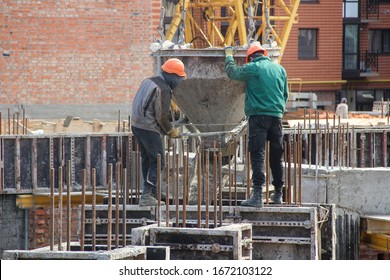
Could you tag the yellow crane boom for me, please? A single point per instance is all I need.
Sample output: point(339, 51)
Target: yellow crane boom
point(219, 23)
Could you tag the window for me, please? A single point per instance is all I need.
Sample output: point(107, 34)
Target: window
point(307, 43)
point(350, 8)
point(379, 41)
point(351, 46)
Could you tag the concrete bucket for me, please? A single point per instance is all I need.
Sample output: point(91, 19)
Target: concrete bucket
point(208, 98)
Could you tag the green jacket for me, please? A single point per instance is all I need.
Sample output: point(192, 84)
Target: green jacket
point(266, 91)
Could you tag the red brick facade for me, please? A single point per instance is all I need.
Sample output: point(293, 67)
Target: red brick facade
point(75, 52)
point(328, 65)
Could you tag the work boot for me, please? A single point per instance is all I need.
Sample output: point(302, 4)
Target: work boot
point(155, 195)
point(256, 198)
point(277, 197)
point(147, 199)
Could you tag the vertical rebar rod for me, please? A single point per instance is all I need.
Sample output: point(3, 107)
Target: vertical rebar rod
point(130, 168)
point(117, 186)
point(17, 164)
point(331, 145)
point(60, 181)
point(173, 175)
point(339, 144)
point(353, 147)
point(159, 190)
point(9, 121)
point(343, 146)
point(207, 179)
point(176, 158)
point(83, 187)
point(185, 180)
point(230, 181)
point(285, 170)
point(267, 168)
point(235, 172)
point(199, 173)
point(326, 142)
point(348, 147)
point(125, 194)
point(68, 210)
point(295, 166)
point(93, 209)
point(24, 121)
point(167, 189)
point(220, 186)
point(289, 170)
point(215, 191)
point(137, 173)
point(119, 121)
point(88, 161)
point(300, 164)
point(52, 209)
point(109, 207)
point(384, 146)
point(310, 140)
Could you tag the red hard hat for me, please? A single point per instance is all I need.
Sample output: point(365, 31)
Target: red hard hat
point(253, 49)
point(174, 66)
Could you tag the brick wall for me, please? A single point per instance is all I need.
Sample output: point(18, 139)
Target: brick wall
point(325, 16)
point(75, 52)
point(40, 226)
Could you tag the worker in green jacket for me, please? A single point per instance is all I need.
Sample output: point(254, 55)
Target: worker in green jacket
point(266, 96)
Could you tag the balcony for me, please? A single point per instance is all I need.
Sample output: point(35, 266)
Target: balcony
point(370, 11)
point(369, 66)
point(361, 65)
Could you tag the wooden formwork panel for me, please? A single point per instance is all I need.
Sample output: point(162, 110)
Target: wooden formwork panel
point(231, 242)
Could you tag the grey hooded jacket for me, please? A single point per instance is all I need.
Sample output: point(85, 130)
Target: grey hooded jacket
point(151, 105)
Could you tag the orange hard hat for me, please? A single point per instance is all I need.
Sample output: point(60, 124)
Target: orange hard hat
point(253, 49)
point(174, 66)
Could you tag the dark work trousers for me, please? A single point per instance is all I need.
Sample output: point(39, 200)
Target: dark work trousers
point(150, 145)
point(261, 130)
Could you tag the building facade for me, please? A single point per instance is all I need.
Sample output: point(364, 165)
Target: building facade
point(341, 49)
point(97, 52)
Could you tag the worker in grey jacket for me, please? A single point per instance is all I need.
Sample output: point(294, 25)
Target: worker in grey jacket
point(150, 121)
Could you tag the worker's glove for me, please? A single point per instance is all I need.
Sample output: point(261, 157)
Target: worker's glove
point(174, 133)
point(229, 51)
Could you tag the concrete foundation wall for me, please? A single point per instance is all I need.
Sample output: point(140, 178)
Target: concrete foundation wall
point(355, 192)
point(12, 225)
point(365, 190)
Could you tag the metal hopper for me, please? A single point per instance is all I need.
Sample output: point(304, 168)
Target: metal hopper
point(209, 99)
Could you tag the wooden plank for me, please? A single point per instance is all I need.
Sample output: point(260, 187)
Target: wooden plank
point(376, 224)
point(377, 241)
